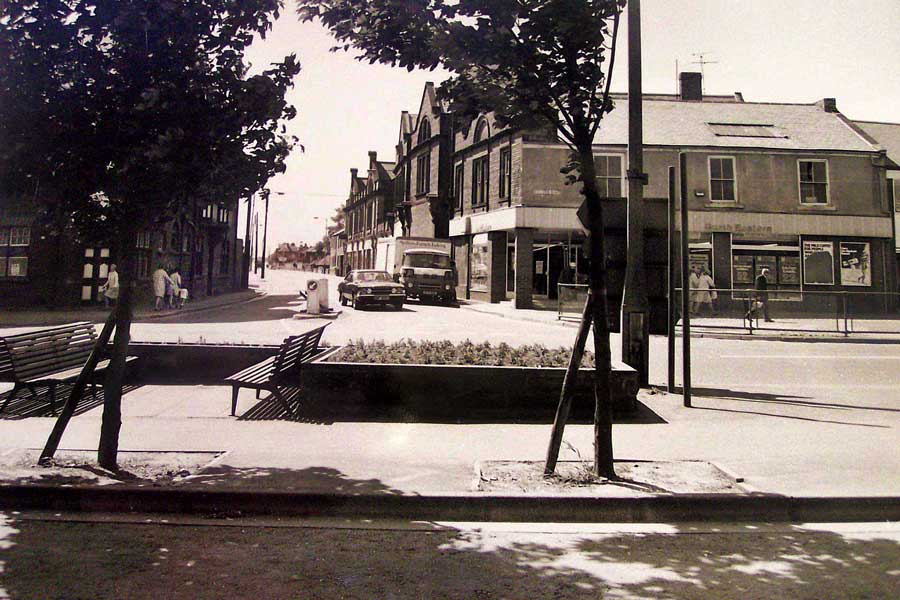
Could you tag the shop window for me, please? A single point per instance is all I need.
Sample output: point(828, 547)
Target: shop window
point(722, 186)
point(423, 174)
point(14, 251)
point(480, 179)
point(813, 181)
point(505, 173)
point(781, 258)
point(459, 184)
point(609, 175)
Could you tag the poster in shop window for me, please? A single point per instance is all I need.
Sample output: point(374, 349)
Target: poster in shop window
point(742, 270)
point(818, 263)
point(479, 279)
point(856, 264)
point(789, 270)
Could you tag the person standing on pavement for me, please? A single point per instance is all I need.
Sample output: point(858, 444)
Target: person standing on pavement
point(694, 298)
point(762, 292)
point(706, 289)
point(176, 288)
point(110, 289)
point(160, 278)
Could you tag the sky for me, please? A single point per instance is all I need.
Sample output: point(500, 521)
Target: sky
point(770, 50)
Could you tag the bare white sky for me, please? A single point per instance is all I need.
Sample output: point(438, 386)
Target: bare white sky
point(770, 50)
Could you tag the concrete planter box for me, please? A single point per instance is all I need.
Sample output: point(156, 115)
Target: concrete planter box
point(453, 393)
point(194, 364)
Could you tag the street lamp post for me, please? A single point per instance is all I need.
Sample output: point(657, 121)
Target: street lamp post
point(265, 231)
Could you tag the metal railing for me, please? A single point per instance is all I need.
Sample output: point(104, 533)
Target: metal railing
point(794, 311)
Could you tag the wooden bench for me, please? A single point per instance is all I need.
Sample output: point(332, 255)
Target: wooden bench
point(47, 358)
point(279, 371)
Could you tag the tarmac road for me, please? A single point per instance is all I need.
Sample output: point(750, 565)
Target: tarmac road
point(138, 556)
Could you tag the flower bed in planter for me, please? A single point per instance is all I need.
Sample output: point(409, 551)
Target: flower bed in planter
point(414, 386)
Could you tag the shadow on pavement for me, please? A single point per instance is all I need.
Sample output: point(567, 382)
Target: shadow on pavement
point(353, 558)
point(785, 399)
point(266, 308)
point(24, 405)
point(329, 411)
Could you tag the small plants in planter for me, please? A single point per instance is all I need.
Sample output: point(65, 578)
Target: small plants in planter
point(410, 352)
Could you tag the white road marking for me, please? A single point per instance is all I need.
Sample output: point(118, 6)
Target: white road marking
point(808, 356)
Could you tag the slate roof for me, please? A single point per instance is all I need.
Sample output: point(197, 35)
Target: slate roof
point(673, 122)
point(887, 135)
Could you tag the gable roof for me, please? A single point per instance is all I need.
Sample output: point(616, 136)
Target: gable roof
point(669, 121)
point(887, 135)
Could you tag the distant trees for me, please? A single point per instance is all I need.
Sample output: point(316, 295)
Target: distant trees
point(529, 62)
point(115, 113)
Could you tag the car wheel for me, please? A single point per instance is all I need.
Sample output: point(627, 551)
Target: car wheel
point(398, 305)
point(343, 299)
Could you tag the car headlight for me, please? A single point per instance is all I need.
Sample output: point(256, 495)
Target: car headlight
point(367, 291)
point(398, 290)
point(447, 286)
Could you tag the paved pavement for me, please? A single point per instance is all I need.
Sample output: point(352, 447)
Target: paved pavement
point(795, 418)
point(56, 556)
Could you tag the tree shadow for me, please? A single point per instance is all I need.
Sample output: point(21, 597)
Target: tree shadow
point(350, 557)
point(25, 406)
point(786, 399)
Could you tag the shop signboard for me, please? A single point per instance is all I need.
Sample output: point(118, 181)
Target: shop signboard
point(818, 263)
point(856, 267)
point(479, 280)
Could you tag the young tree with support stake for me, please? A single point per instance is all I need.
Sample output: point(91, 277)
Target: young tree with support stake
point(531, 63)
point(117, 113)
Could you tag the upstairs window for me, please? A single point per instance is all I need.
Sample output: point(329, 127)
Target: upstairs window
point(423, 174)
point(813, 181)
point(424, 131)
point(459, 184)
point(480, 178)
point(721, 179)
point(609, 175)
point(505, 173)
point(14, 246)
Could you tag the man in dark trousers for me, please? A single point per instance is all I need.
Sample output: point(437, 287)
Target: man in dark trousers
point(762, 292)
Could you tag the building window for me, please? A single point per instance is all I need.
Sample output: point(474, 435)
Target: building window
point(14, 243)
point(721, 179)
point(423, 174)
point(505, 172)
point(482, 131)
point(424, 131)
point(480, 177)
point(226, 258)
point(459, 184)
point(142, 267)
point(144, 240)
point(813, 181)
point(609, 175)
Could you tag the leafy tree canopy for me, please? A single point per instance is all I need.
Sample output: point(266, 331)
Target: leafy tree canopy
point(116, 111)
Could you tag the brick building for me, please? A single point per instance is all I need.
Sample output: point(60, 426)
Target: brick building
point(368, 213)
point(39, 268)
point(797, 188)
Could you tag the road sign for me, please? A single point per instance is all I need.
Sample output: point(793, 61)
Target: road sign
point(583, 215)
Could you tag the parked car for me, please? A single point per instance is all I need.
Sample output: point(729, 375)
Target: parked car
point(368, 287)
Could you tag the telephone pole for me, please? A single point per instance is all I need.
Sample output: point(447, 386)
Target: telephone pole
point(635, 307)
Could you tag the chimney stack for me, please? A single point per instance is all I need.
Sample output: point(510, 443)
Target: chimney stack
point(353, 172)
point(828, 105)
point(691, 86)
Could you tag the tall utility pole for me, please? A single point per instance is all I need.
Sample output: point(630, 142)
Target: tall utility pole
point(635, 307)
point(265, 231)
point(255, 242)
point(246, 274)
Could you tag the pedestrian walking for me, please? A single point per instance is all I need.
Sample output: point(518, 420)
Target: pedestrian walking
point(176, 288)
point(694, 297)
point(160, 278)
point(706, 292)
point(110, 289)
point(762, 293)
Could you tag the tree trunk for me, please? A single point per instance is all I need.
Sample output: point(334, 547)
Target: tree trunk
point(115, 372)
point(568, 388)
point(77, 392)
point(603, 449)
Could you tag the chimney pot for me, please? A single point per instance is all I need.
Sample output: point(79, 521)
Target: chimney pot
point(373, 155)
point(691, 86)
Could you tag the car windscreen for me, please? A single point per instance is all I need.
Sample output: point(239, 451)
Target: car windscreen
point(427, 261)
point(374, 276)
